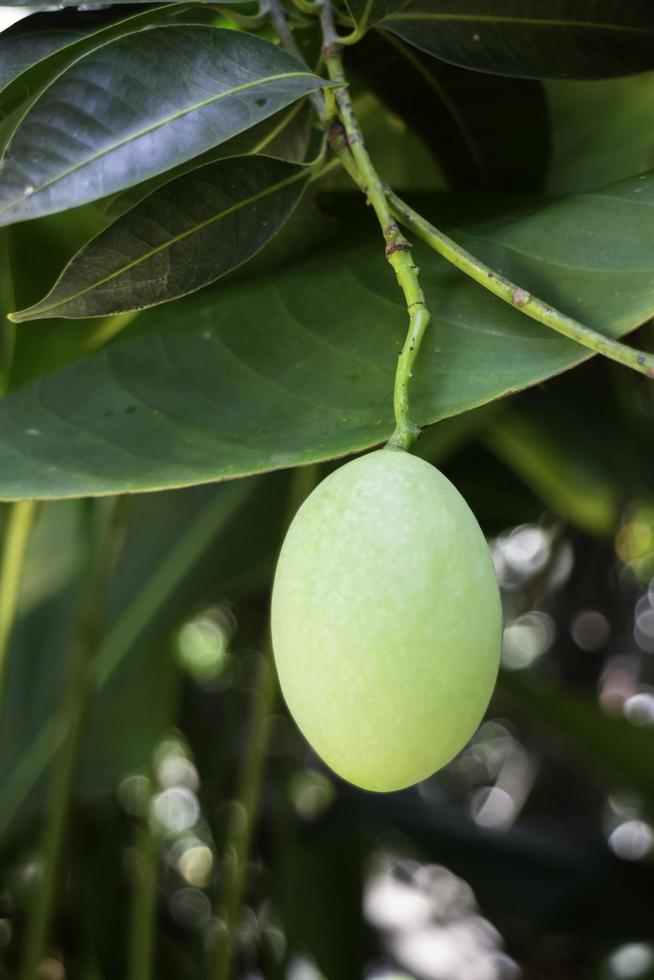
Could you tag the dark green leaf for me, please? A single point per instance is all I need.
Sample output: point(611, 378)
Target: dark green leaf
point(101, 4)
point(94, 28)
point(19, 51)
point(533, 38)
point(139, 106)
point(35, 38)
point(300, 366)
point(368, 12)
point(485, 131)
point(183, 236)
point(284, 136)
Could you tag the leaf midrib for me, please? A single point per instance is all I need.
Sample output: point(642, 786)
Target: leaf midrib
point(528, 21)
point(40, 308)
point(150, 129)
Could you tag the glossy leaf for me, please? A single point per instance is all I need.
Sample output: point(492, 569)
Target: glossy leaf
point(299, 367)
point(455, 113)
point(37, 37)
point(100, 4)
point(95, 28)
point(19, 52)
point(139, 106)
point(368, 12)
point(183, 236)
point(284, 136)
point(532, 38)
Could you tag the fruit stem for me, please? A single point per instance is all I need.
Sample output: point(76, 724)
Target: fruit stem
point(515, 295)
point(346, 139)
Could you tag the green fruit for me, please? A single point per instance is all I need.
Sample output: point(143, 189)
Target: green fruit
point(386, 620)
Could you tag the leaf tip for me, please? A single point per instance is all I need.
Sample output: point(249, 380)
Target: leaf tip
point(19, 316)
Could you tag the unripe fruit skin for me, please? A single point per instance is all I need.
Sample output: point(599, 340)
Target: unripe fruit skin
point(386, 620)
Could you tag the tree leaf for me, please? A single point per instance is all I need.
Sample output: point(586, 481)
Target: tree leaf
point(284, 136)
point(138, 106)
point(94, 28)
point(20, 51)
point(36, 38)
point(368, 12)
point(183, 236)
point(532, 38)
point(455, 113)
point(299, 366)
point(93, 5)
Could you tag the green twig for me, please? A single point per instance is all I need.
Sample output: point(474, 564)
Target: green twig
point(246, 802)
point(106, 539)
point(17, 531)
point(398, 249)
point(516, 296)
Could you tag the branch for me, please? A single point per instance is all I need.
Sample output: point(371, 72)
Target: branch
point(517, 297)
point(344, 134)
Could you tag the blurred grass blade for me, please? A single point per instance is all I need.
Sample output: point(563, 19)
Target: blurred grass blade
point(20, 518)
point(559, 469)
point(186, 551)
point(105, 536)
